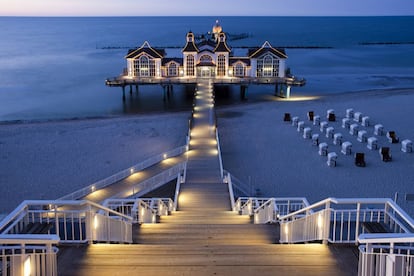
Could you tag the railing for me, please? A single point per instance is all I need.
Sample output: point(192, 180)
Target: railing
point(72, 221)
point(279, 206)
point(128, 80)
point(142, 210)
point(227, 179)
point(219, 155)
point(28, 255)
point(124, 174)
point(152, 183)
point(237, 185)
point(386, 254)
point(342, 220)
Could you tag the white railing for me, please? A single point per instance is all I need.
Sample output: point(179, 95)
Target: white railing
point(274, 207)
point(180, 179)
point(72, 221)
point(152, 183)
point(219, 154)
point(237, 185)
point(124, 174)
point(227, 179)
point(28, 255)
point(342, 220)
point(142, 210)
point(386, 254)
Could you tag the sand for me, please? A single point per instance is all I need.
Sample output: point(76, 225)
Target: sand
point(46, 160)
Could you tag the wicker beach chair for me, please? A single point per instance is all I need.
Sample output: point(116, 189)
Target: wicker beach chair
point(360, 159)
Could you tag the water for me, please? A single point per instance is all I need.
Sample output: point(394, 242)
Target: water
point(55, 67)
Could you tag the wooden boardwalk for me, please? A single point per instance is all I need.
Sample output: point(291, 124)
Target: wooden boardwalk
point(204, 237)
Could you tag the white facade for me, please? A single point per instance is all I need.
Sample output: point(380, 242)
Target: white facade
point(207, 57)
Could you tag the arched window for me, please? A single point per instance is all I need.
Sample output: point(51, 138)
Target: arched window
point(239, 70)
point(206, 59)
point(268, 67)
point(172, 69)
point(144, 66)
point(221, 65)
point(190, 65)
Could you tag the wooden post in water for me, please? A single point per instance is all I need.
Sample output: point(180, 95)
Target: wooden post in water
point(123, 93)
point(288, 91)
point(276, 89)
point(130, 90)
point(136, 89)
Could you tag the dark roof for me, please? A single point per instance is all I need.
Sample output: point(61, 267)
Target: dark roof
point(146, 48)
point(207, 42)
point(222, 47)
point(233, 60)
point(167, 60)
point(190, 47)
point(266, 48)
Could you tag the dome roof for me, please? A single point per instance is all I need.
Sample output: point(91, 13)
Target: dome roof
point(217, 28)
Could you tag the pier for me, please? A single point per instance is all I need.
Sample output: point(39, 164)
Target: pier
point(177, 213)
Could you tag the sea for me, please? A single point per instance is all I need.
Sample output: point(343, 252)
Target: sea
point(54, 68)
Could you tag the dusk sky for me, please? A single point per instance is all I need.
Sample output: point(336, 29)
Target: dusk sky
point(203, 7)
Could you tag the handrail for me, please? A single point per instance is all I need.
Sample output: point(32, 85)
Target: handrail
point(23, 207)
point(385, 238)
point(125, 173)
point(219, 154)
point(235, 180)
point(230, 187)
point(345, 201)
point(153, 182)
point(29, 239)
point(338, 224)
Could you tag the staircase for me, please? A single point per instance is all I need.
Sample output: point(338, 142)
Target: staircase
point(204, 237)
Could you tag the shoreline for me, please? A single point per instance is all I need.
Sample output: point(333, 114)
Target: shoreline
point(365, 92)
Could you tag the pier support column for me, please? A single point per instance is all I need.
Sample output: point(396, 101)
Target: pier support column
point(123, 93)
point(164, 97)
point(136, 89)
point(243, 92)
point(288, 91)
point(130, 90)
point(276, 89)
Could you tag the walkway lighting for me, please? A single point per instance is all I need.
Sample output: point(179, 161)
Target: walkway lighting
point(164, 156)
point(27, 267)
point(95, 222)
point(320, 221)
point(286, 230)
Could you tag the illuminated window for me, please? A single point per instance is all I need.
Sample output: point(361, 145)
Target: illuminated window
point(206, 59)
point(190, 65)
point(268, 67)
point(172, 69)
point(221, 65)
point(239, 70)
point(144, 67)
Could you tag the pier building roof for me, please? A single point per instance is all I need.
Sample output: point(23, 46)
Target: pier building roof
point(266, 48)
point(146, 48)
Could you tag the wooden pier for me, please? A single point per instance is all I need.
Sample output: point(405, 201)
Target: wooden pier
point(204, 237)
point(282, 85)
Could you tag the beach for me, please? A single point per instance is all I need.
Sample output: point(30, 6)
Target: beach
point(48, 159)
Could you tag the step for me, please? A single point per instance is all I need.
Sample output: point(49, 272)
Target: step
point(270, 259)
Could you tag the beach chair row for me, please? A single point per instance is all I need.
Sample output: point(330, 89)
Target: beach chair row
point(353, 128)
point(329, 131)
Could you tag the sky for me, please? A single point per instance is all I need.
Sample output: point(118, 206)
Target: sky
point(205, 7)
